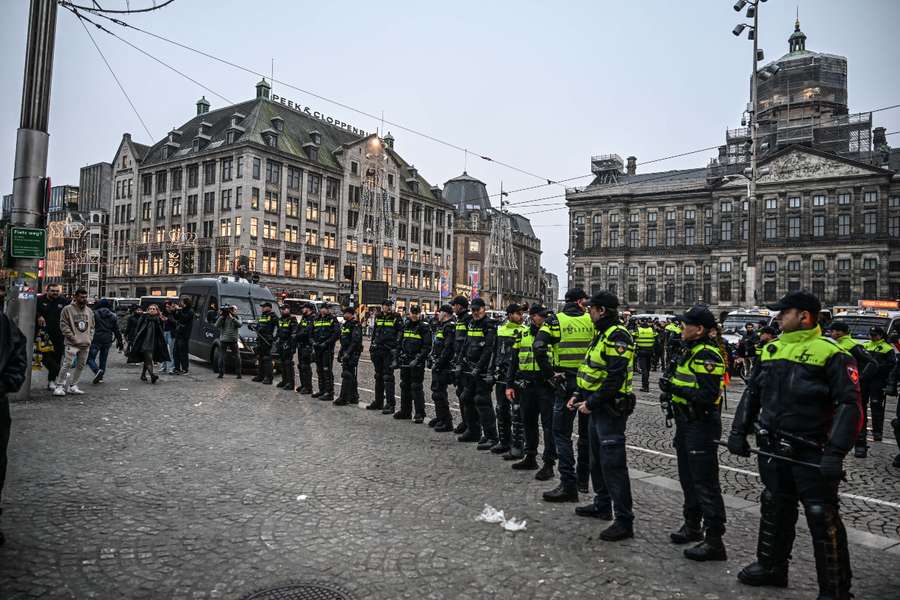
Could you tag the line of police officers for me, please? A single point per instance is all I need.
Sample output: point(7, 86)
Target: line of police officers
point(519, 385)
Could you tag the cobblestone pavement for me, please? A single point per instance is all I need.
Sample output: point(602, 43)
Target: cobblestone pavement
point(203, 488)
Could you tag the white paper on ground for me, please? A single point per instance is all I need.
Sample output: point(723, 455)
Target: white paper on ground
point(491, 515)
point(513, 525)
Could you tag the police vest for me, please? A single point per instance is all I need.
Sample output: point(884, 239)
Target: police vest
point(593, 369)
point(646, 338)
point(848, 343)
point(575, 335)
point(685, 376)
point(525, 352)
point(879, 347)
point(673, 328)
point(412, 334)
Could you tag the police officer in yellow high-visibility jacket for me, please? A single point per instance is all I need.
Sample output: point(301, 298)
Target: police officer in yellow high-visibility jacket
point(604, 392)
point(645, 340)
point(696, 391)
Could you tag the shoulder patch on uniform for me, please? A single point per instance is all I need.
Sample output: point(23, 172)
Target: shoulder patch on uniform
point(771, 348)
point(621, 347)
point(709, 365)
point(853, 373)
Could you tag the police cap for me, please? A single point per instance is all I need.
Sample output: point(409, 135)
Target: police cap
point(800, 299)
point(387, 302)
point(877, 330)
point(414, 309)
point(349, 310)
point(478, 303)
point(840, 326)
point(446, 308)
point(699, 315)
point(774, 332)
point(575, 294)
point(605, 299)
point(264, 304)
point(538, 309)
point(460, 301)
point(515, 308)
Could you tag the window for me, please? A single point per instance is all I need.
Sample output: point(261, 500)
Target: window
point(292, 233)
point(670, 215)
point(270, 263)
point(354, 167)
point(313, 184)
point(650, 294)
point(240, 167)
point(254, 199)
point(147, 184)
point(894, 226)
point(209, 202)
point(238, 196)
point(161, 182)
point(227, 166)
point(225, 227)
point(331, 215)
point(770, 291)
point(311, 267)
point(870, 222)
point(651, 237)
point(670, 270)
point(651, 217)
point(273, 172)
point(613, 218)
point(724, 267)
point(843, 224)
point(270, 203)
point(256, 167)
point(633, 238)
point(651, 271)
point(291, 265)
point(707, 234)
point(770, 266)
point(818, 225)
point(193, 172)
point(725, 206)
point(270, 230)
point(794, 227)
point(771, 203)
point(725, 291)
point(176, 180)
point(708, 212)
point(771, 229)
point(312, 211)
point(744, 230)
point(843, 291)
point(794, 202)
point(870, 288)
point(689, 214)
point(818, 200)
point(818, 265)
point(670, 236)
point(614, 238)
point(225, 200)
point(793, 266)
point(209, 172)
point(329, 240)
point(192, 205)
point(146, 209)
point(843, 199)
point(176, 207)
point(633, 217)
point(294, 178)
point(726, 232)
point(843, 264)
point(332, 188)
point(292, 207)
point(870, 197)
point(894, 202)
point(312, 237)
point(870, 263)
point(254, 227)
point(161, 209)
point(474, 245)
point(818, 289)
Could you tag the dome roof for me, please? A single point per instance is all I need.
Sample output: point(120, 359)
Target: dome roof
point(467, 193)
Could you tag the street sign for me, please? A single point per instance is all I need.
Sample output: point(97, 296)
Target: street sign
point(27, 242)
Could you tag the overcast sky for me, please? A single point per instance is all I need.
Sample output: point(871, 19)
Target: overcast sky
point(538, 85)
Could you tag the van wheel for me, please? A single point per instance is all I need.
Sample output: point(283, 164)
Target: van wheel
point(214, 359)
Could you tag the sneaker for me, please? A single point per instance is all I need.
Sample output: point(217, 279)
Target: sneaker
point(74, 389)
point(59, 391)
point(98, 377)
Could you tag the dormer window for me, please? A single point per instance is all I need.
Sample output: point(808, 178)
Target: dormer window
point(229, 137)
point(271, 140)
point(165, 152)
point(278, 123)
point(316, 137)
point(195, 146)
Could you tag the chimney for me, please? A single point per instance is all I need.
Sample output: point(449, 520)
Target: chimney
point(878, 137)
point(389, 140)
point(631, 166)
point(202, 106)
point(263, 88)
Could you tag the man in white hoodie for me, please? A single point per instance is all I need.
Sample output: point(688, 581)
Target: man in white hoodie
point(77, 324)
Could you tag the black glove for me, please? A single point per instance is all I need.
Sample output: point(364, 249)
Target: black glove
point(489, 379)
point(738, 444)
point(890, 390)
point(832, 467)
point(665, 384)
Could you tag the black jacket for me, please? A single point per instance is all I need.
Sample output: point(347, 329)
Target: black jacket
point(51, 310)
point(442, 347)
point(13, 357)
point(386, 333)
point(106, 327)
point(286, 334)
point(351, 339)
point(184, 322)
point(149, 326)
point(265, 331)
point(478, 351)
point(415, 344)
point(131, 326)
point(326, 331)
point(709, 388)
point(303, 339)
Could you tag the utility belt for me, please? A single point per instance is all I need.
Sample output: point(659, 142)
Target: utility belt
point(692, 412)
point(622, 405)
point(785, 444)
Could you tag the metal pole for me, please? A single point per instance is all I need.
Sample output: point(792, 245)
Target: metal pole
point(751, 200)
point(30, 171)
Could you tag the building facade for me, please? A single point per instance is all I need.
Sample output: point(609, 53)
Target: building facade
point(828, 208)
point(496, 256)
point(95, 187)
point(291, 194)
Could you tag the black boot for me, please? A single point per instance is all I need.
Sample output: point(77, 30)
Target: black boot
point(758, 574)
point(304, 390)
point(861, 452)
point(317, 394)
point(688, 532)
point(388, 409)
point(460, 429)
point(546, 473)
point(616, 532)
point(591, 510)
point(773, 548)
point(418, 419)
point(267, 381)
point(257, 379)
point(444, 427)
point(433, 422)
point(500, 448)
point(529, 463)
point(830, 549)
point(486, 443)
point(400, 415)
point(281, 383)
point(341, 401)
point(561, 493)
point(469, 436)
point(583, 486)
point(711, 548)
point(374, 405)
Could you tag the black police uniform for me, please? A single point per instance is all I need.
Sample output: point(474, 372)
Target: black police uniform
point(477, 355)
point(509, 420)
point(805, 405)
point(305, 352)
point(441, 373)
point(414, 348)
point(460, 378)
point(266, 323)
point(326, 331)
point(285, 333)
point(872, 390)
point(351, 348)
point(383, 349)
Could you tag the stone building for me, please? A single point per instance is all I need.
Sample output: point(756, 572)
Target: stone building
point(828, 207)
point(497, 256)
point(293, 193)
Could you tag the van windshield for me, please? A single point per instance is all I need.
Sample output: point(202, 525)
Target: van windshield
point(736, 323)
point(859, 326)
point(246, 307)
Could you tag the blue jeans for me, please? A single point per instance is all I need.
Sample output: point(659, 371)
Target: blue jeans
point(168, 365)
point(103, 351)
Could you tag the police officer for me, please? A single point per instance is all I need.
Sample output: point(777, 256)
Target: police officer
point(476, 359)
point(460, 306)
point(695, 389)
point(569, 332)
point(385, 344)
point(509, 419)
point(803, 404)
point(645, 341)
point(304, 348)
point(529, 377)
point(326, 331)
point(673, 339)
point(351, 348)
point(265, 338)
point(872, 388)
point(442, 353)
point(415, 346)
point(604, 392)
point(285, 338)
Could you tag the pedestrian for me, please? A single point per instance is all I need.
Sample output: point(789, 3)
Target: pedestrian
point(415, 346)
point(383, 349)
point(462, 316)
point(475, 362)
point(695, 389)
point(805, 407)
point(49, 309)
point(149, 345)
point(106, 330)
point(872, 389)
point(131, 324)
point(529, 376)
point(326, 332)
point(167, 316)
point(348, 357)
point(569, 333)
point(13, 368)
point(645, 341)
point(509, 417)
point(76, 321)
point(304, 344)
point(265, 326)
point(285, 338)
point(229, 326)
point(184, 324)
point(605, 393)
point(441, 370)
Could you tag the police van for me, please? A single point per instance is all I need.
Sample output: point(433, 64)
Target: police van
point(736, 320)
point(208, 296)
point(861, 320)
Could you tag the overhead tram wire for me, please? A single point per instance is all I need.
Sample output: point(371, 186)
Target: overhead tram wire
point(119, 83)
point(129, 11)
point(321, 97)
point(147, 54)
